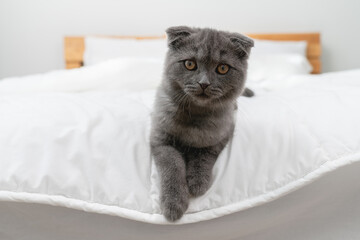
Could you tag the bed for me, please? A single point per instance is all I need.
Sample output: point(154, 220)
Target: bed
point(74, 149)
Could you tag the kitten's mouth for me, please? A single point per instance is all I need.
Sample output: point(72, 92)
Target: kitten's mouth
point(203, 95)
point(200, 96)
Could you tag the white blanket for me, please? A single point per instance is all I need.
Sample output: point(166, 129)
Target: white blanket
point(90, 150)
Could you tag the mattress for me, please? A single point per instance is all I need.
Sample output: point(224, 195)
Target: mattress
point(84, 156)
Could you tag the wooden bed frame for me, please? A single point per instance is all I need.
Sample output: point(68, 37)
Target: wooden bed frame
point(74, 47)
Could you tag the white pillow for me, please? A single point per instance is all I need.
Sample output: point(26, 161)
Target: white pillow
point(99, 49)
point(272, 62)
point(134, 74)
point(262, 66)
point(279, 47)
point(272, 71)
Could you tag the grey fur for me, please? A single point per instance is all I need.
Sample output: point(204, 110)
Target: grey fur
point(191, 126)
point(248, 93)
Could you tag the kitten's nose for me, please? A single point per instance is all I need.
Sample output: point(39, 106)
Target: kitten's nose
point(204, 82)
point(204, 85)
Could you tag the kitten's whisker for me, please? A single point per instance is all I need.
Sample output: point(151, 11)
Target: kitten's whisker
point(189, 107)
point(182, 101)
point(216, 91)
point(178, 97)
point(221, 105)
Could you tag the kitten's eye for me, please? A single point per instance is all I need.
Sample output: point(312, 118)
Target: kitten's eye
point(190, 65)
point(222, 69)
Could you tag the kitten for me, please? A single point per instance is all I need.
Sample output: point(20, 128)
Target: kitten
point(193, 119)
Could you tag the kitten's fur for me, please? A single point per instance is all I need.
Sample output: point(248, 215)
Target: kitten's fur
point(191, 126)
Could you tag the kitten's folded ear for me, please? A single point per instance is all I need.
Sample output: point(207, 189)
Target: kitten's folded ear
point(176, 35)
point(242, 43)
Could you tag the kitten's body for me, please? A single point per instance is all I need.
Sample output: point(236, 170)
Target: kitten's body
point(193, 123)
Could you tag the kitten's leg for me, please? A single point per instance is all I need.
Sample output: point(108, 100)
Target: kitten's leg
point(174, 190)
point(199, 165)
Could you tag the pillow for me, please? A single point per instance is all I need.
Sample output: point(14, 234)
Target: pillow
point(126, 74)
point(133, 74)
point(279, 47)
point(272, 62)
point(269, 60)
point(262, 66)
point(99, 49)
point(272, 71)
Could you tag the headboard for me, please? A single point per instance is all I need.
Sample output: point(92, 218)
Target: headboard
point(74, 47)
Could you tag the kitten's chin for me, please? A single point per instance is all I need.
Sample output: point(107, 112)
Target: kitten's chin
point(202, 99)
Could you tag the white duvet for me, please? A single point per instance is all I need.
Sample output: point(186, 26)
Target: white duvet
point(90, 150)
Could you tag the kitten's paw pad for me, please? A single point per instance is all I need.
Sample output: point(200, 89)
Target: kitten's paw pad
point(174, 210)
point(197, 185)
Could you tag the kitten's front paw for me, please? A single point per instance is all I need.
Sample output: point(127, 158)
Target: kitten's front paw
point(175, 204)
point(174, 210)
point(198, 183)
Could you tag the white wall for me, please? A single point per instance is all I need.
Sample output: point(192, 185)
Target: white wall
point(31, 31)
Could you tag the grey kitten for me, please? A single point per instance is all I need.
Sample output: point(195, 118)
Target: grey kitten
point(193, 119)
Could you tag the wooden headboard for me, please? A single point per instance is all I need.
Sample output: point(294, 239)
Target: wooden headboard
point(74, 47)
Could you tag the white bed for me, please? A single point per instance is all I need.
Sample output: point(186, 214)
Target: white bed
point(74, 150)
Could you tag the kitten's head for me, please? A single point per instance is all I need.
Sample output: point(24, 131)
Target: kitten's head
point(206, 65)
